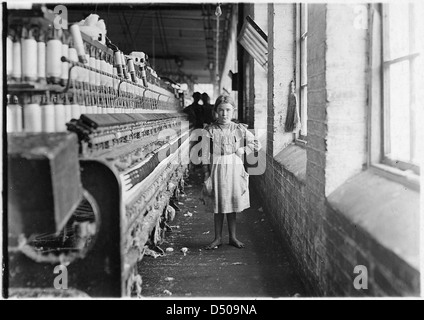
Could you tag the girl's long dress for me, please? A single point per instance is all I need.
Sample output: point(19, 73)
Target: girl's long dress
point(230, 181)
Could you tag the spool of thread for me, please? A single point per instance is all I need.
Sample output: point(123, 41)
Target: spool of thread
point(123, 87)
point(129, 89)
point(65, 65)
point(135, 91)
point(80, 74)
point(118, 64)
point(14, 116)
point(54, 64)
point(110, 79)
point(79, 45)
point(32, 117)
point(83, 109)
point(48, 117)
point(73, 57)
point(87, 72)
point(29, 55)
point(128, 107)
point(60, 117)
point(95, 108)
point(97, 74)
point(76, 72)
point(88, 105)
point(132, 70)
point(99, 104)
point(81, 102)
point(124, 66)
point(68, 109)
point(75, 110)
point(92, 74)
point(115, 106)
point(9, 56)
point(144, 75)
point(101, 109)
point(125, 108)
point(105, 68)
point(110, 71)
point(17, 57)
point(106, 105)
point(115, 81)
point(89, 109)
point(110, 106)
point(41, 59)
point(98, 107)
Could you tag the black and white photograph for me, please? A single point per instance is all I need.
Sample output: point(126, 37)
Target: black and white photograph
point(218, 153)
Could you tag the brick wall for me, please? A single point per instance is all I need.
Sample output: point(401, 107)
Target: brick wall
point(280, 72)
point(325, 244)
point(348, 246)
point(285, 194)
point(346, 85)
point(316, 147)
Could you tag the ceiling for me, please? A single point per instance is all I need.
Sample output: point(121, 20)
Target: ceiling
point(180, 39)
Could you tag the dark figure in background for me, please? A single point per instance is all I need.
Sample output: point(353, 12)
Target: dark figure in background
point(195, 116)
point(208, 112)
point(195, 111)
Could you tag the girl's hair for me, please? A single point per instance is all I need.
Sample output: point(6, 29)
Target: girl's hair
point(223, 99)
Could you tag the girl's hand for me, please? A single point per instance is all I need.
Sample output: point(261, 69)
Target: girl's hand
point(240, 152)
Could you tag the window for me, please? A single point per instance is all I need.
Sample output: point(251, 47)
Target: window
point(255, 41)
point(400, 72)
point(301, 66)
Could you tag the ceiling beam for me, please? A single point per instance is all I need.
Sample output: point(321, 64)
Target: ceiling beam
point(190, 32)
point(129, 6)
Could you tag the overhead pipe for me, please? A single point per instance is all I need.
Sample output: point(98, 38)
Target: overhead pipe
point(218, 13)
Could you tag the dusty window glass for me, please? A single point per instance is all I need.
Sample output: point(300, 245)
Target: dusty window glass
point(402, 54)
point(301, 74)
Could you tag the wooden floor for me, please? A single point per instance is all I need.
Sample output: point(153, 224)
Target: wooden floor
point(260, 270)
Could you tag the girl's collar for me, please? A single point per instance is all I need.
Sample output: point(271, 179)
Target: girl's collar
point(224, 125)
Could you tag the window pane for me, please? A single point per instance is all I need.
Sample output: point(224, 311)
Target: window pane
point(303, 18)
point(303, 63)
point(302, 70)
point(399, 102)
point(304, 111)
point(398, 21)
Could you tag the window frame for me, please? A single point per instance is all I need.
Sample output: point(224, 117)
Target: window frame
point(301, 83)
point(378, 114)
point(386, 64)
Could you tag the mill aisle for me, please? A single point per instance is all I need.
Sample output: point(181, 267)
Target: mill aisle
point(261, 270)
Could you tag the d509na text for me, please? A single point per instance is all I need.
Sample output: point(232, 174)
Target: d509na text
point(223, 309)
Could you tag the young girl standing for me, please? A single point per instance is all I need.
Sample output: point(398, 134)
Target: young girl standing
point(223, 145)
